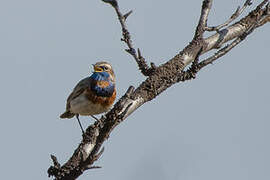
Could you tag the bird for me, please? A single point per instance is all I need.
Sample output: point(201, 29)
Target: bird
point(92, 95)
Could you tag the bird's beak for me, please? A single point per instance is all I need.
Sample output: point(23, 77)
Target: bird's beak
point(97, 68)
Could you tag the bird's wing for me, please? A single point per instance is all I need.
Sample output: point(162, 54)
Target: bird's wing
point(78, 90)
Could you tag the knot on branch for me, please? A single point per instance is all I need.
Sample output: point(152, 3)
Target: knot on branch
point(55, 169)
point(193, 70)
point(145, 69)
point(190, 73)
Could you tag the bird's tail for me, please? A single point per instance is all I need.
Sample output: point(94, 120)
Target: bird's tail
point(67, 114)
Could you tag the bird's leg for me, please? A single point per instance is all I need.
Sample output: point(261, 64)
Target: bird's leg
point(94, 117)
point(77, 116)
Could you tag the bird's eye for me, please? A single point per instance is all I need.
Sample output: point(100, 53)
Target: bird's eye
point(105, 68)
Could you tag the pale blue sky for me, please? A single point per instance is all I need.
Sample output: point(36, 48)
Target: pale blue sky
point(214, 127)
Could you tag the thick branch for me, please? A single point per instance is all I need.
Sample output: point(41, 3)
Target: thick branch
point(235, 30)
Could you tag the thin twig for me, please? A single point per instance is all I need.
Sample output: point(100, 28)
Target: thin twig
point(226, 49)
point(235, 15)
point(93, 167)
point(196, 66)
point(262, 4)
point(206, 7)
point(144, 68)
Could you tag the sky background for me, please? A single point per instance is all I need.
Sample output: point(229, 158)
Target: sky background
point(213, 127)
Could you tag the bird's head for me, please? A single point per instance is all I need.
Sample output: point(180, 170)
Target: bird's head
point(104, 67)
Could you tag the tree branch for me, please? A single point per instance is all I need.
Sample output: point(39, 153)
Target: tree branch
point(235, 15)
point(206, 7)
point(144, 68)
point(158, 81)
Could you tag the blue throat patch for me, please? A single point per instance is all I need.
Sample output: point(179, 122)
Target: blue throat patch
point(99, 91)
point(100, 76)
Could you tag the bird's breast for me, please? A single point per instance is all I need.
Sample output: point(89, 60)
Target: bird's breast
point(102, 100)
point(103, 88)
point(90, 104)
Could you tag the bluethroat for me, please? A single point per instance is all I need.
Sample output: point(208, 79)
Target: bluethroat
point(92, 95)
